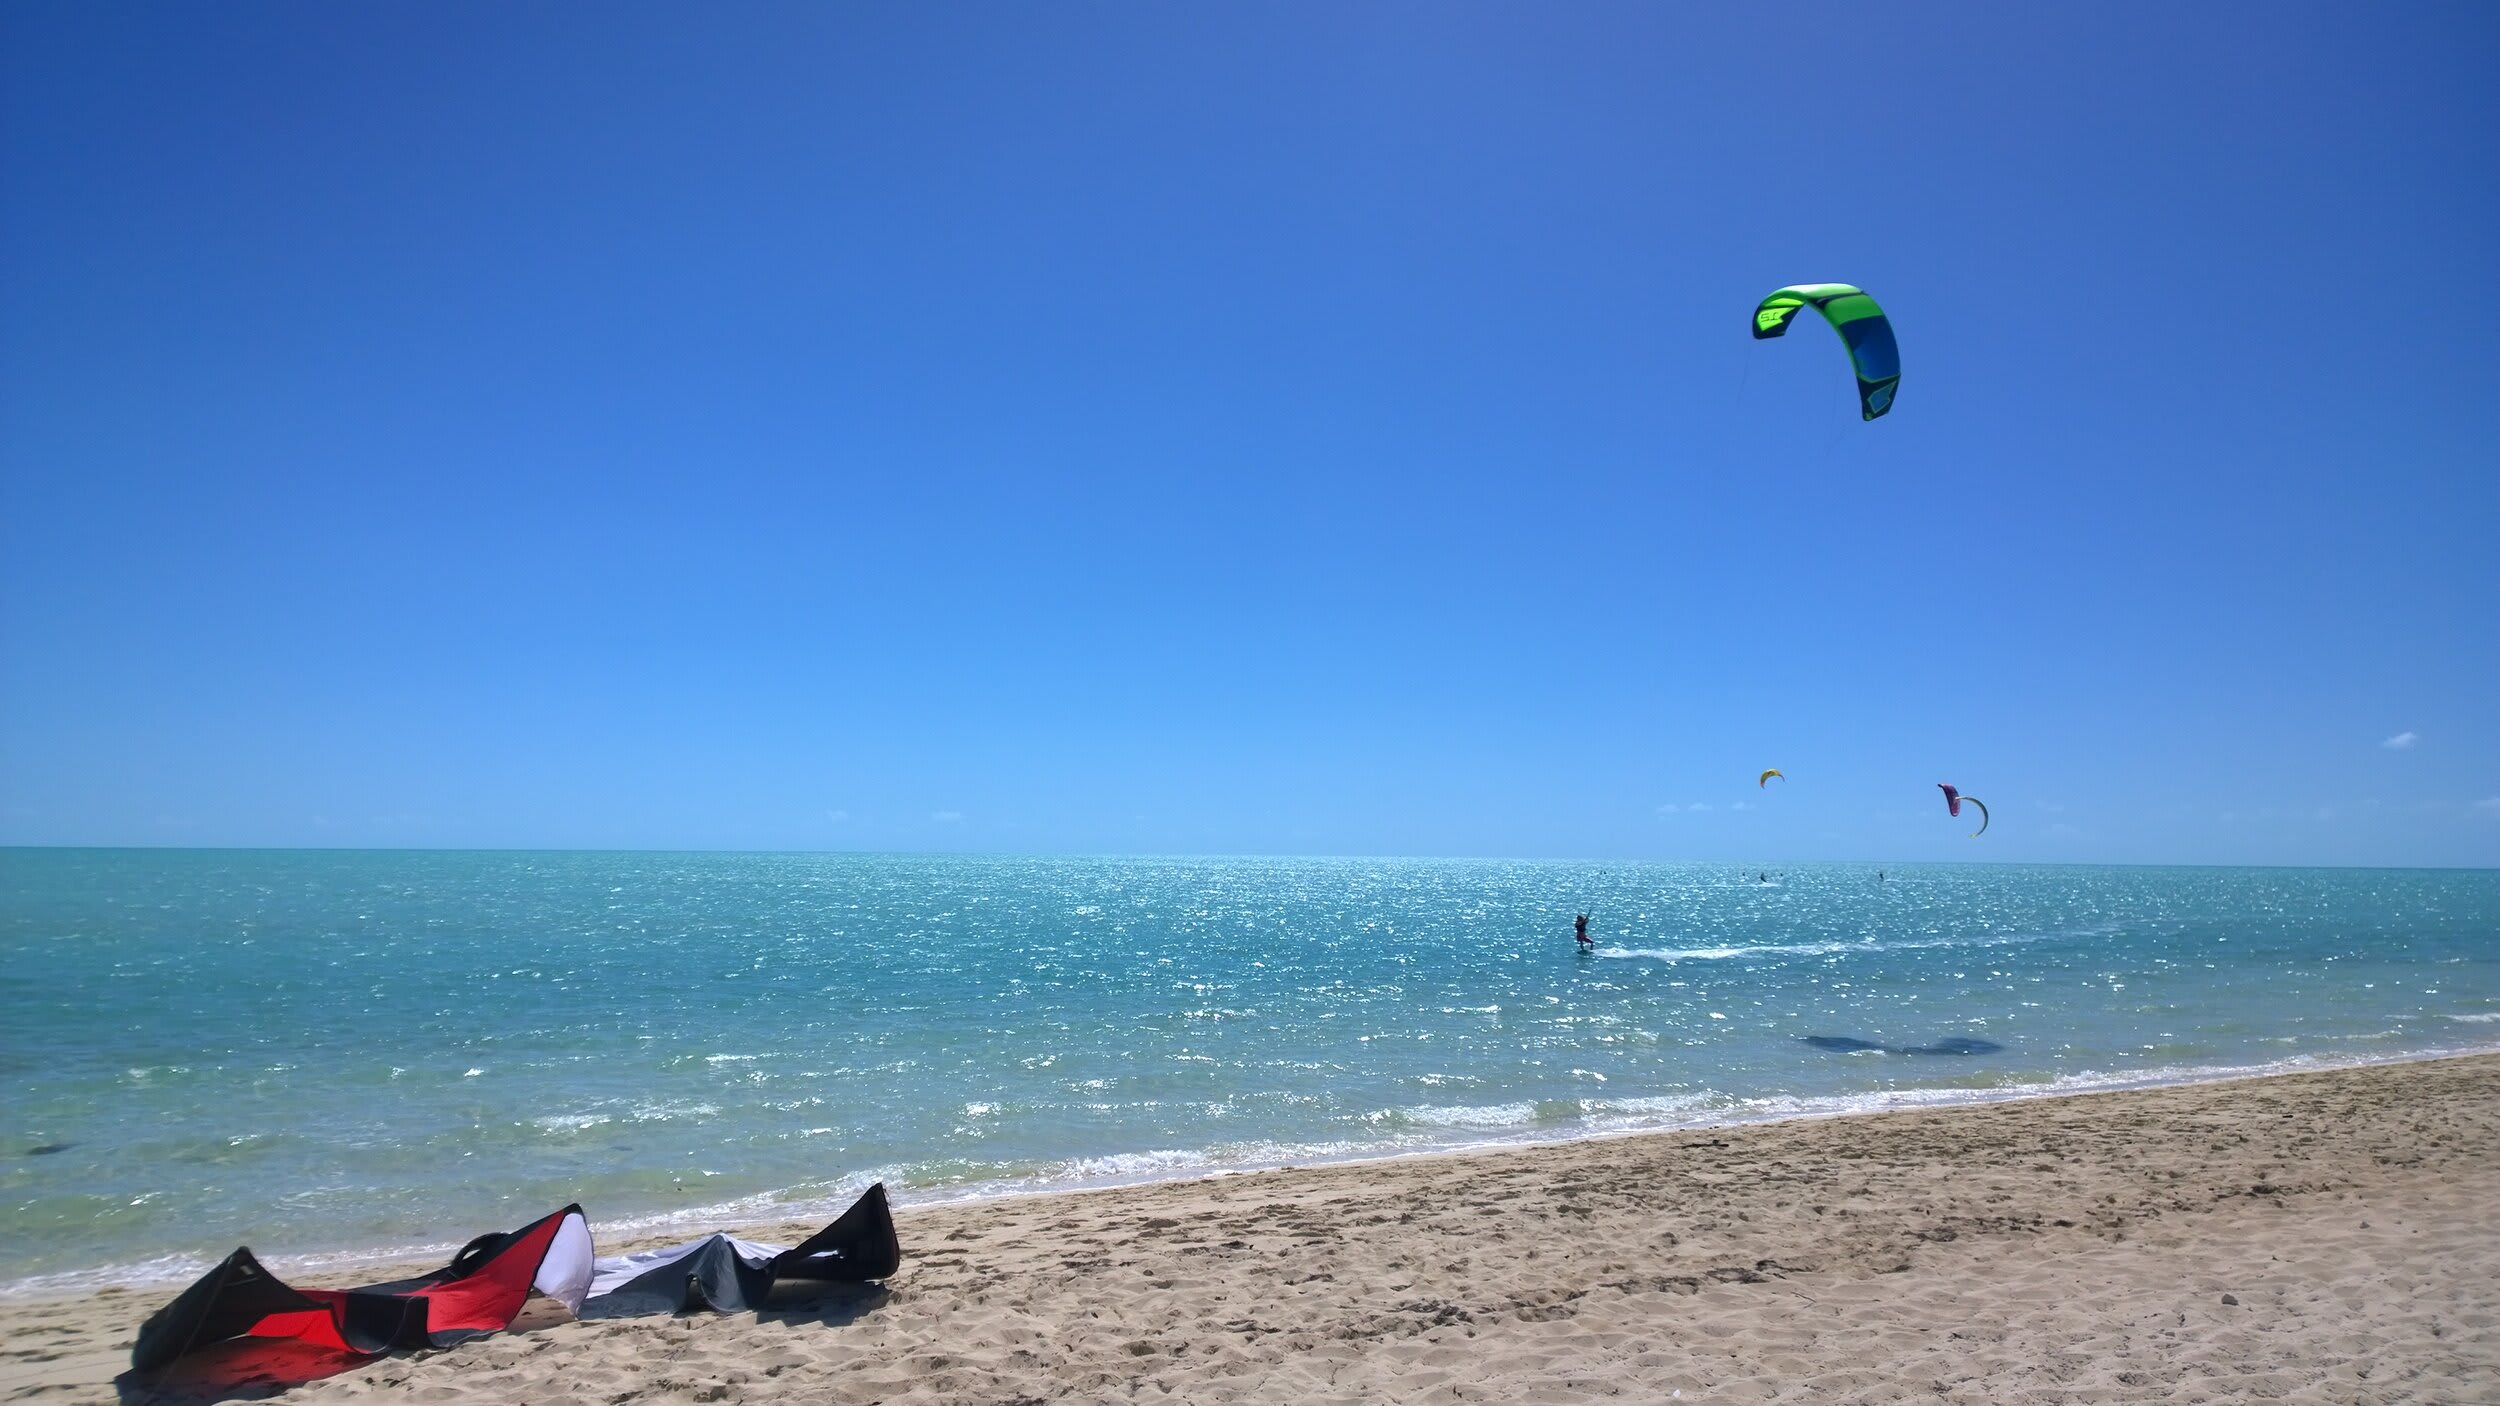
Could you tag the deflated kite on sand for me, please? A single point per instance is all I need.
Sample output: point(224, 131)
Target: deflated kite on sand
point(727, 1273)
point(484, 1287)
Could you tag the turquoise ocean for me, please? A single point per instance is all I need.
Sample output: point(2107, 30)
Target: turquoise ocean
point(329, 1055)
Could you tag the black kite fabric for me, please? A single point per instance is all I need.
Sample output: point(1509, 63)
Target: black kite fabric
point(727, 1273)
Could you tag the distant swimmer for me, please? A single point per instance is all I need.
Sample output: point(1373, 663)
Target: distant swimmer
point(1580, 931)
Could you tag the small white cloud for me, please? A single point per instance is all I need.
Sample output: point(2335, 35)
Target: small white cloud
point(1668, 809)
point(837, 816)
point(2488, 805)
point(1742, 805)
point(2401, 742)
point(1698, 806)
point(947, 817)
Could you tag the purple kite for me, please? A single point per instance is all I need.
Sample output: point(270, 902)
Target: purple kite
point(1953, 806)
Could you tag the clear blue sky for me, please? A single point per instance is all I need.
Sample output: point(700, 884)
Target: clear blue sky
point(1250, 428)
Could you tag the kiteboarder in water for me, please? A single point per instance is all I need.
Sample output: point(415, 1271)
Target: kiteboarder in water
point(1580, 931)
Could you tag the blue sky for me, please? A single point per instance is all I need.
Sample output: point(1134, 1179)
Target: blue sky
point(1303, 428)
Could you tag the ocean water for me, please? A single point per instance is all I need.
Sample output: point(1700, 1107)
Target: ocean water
point(332, 1054)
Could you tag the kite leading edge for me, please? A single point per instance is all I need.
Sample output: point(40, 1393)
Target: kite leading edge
point(1954, 801)
point(1863, 329)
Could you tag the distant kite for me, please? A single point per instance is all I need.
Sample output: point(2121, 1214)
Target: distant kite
point(1863, 329)
point(1955, 800)
point(1766, 778)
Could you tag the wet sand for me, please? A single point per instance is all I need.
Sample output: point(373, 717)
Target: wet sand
point(2328, 1237)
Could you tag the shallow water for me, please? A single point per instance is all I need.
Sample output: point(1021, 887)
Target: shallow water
point(320, 1052)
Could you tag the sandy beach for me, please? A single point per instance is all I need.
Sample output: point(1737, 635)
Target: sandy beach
point(2325, 1237)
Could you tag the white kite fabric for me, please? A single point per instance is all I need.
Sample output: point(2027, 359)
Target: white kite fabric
point(565, 1274)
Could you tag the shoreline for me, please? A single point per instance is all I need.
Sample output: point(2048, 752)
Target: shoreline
point(2319, 1236)
point(798, 1217)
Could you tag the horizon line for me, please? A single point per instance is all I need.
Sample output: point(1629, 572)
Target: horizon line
point(971, 854)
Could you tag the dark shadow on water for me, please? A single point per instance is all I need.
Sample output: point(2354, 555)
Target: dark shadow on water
point(1957, 1045)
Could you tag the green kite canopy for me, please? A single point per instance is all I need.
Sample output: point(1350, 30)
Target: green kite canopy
point(1863, 329)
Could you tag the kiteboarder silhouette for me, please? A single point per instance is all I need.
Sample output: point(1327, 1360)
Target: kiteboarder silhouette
point(1580, 931)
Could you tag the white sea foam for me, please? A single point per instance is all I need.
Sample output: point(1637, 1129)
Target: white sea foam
point(821, 1200)
point(1861, 947)
point(1459, 1115)
point(664, 1111)
point(164, 1269)
point(1660, 1105)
